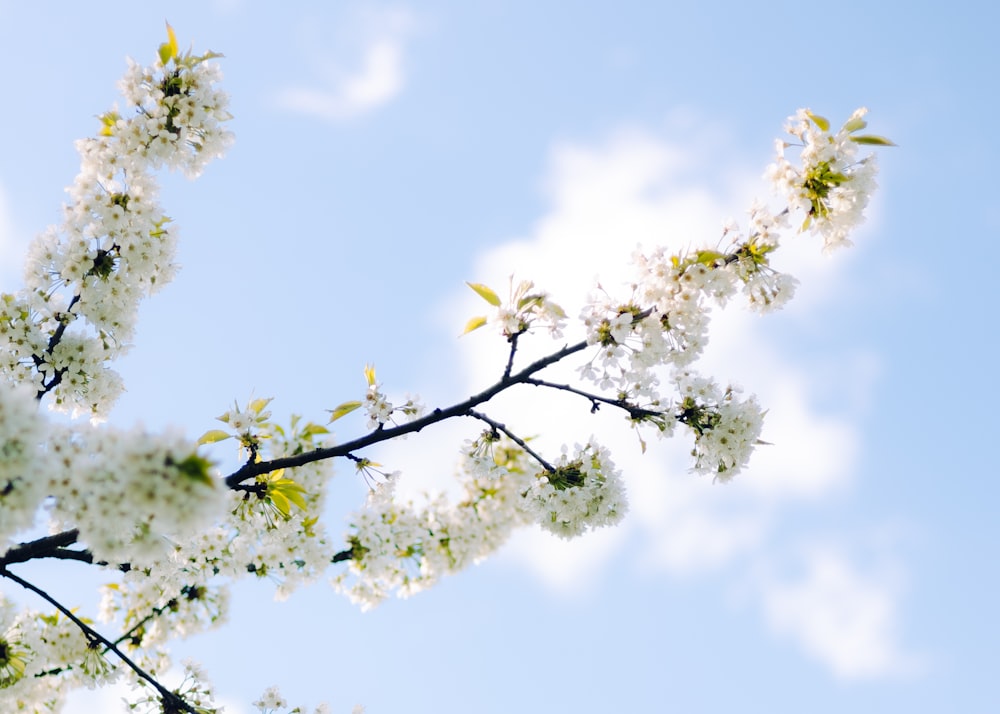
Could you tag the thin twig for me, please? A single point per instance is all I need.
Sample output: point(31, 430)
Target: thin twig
point(91, 634)
point(248, 471)
point(513, 437)
point(596, 399)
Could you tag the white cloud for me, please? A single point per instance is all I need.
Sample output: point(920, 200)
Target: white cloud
point(840, 615)
point(566, 567)
point(638, 188)
point(371, 79)
point(604, 199)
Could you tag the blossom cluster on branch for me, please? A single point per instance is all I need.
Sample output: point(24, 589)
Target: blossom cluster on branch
point(172, 534)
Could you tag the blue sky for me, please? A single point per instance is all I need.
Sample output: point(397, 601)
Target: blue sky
point(387, 153)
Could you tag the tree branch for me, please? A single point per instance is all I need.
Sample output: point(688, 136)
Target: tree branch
point(54, 546)
point(510, 357)
point(513, 437)
point(50, 348)
point(252, 470)
point(596, 400)
point(47, 547)
point(168, 697)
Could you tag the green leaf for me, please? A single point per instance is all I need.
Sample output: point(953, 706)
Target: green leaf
point(108, 123)
point(485, 293)
point(168, 50)
point(296, 494)
point(342, 410)
point(213, 435)
point(314, 429)
point(283, 492)
point(257, 405)
point(196, 468)
point(530, 300)
point(280, 503)
point(708, 258)
point(822, 122)
point(872, 140)
point(852, 125)
point(474, 324)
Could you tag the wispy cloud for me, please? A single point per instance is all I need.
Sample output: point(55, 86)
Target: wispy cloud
point(842, 615)
point(372, 77)
point(637, 187)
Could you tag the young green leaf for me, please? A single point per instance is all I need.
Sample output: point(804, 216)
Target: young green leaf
point(342, 410)
point(257, 405)
point(872, 140)
point(533, 299)
point(855, 124)
point(280, 503)
point(196, 468)
point(213, 435)
point(168, 50)
point(283, 492)
point(822, 122)
point(314, 429)
point(474, 324)
point(485, 293)
point(708, 258)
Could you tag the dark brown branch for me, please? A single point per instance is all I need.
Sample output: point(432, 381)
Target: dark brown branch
point(173, 700)
point(510, 357)
point(596, 400)
point(513, 437)
point(54, 546)
point(47, 547)
point(53, 341)
point(252, 470)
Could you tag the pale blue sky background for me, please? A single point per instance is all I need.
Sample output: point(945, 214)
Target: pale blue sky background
point(386, 153)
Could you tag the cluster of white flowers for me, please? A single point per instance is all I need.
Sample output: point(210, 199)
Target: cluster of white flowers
point(127, 491)
point(194, 690)
point(115, 244)
point(524, 309)
point(182, 113)
point(22, 459)
point(189, 587)
point(129, 496)
point(664, 322)
point(584, 491)
point(32, 644)
point(764, 288)
point(725, 428)
point(402, 548)
point(832, 185)
point(377, 406)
